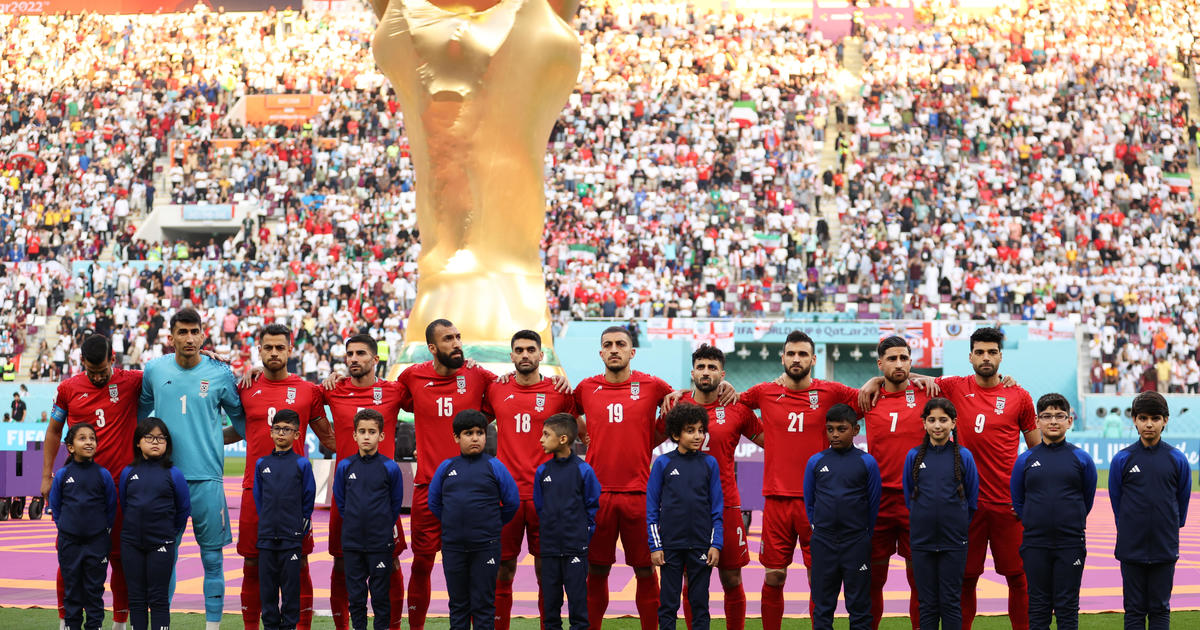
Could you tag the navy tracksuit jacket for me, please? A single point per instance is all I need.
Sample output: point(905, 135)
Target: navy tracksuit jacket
point(83, 501)
point(473, 496)
point(369, 492)
point(1149, 488)
point(841, 497)
point(284, 493)
point(684, 494)
point(566, 494)
point(1053, 487)
point(155, 505)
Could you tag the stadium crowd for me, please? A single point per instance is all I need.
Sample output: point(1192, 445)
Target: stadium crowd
point(1018, 164)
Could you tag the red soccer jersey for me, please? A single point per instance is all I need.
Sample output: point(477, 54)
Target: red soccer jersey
point(520, 411)
point(265, 397)
point(726, 426)
point(894, 427)
point(621, 424)
point(793, 429)
point(990, 424)
point(433, 400)
point(345, 400)
point(111, 409)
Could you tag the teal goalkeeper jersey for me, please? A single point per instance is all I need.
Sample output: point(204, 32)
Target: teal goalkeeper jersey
point(190, 401)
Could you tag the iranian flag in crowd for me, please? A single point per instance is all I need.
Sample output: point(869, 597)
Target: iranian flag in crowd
point(1179, 182)
point(745, 113)
point(580, 251)
point(770, 241)
point(879, 129)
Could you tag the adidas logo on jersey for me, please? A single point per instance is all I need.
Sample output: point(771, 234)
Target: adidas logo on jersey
point(491, 561)
point(864, 568)
point(1078, 562)
point(133, 477)
point(922, 465)
point(1036, 465)
point(1135, 469)
point(266, 470)
point(381, 566)
point(163, 549)
point(546, 479)
point(104, 560)
point(294, 557)
point(575, 560)
point(352, 476)
point(453, 473)
point(70, 480)
point(674, 472)
point(824, 469)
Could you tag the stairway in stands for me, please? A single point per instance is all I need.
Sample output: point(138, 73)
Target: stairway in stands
point(849, 80)
point(1188, 85)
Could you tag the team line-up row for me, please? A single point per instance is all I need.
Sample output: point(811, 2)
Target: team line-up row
point(934, 491)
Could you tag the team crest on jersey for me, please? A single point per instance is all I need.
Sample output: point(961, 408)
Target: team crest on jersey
point(635, 389)
point(461, 381)
point(910, 398)
point(813, 403)
point(539, 402)
point(112, 394)
point(720, 415)
point(291, 395)
point(999, 405)
point(204, 389)
point(377, 396)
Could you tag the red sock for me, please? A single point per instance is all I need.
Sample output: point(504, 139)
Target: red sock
point(968, 601)
point(879, 571)
point(419, 591)
point(61, 592)
point(251, 597)
point(1018, 601)
point(735, 608)
point(504, 599)
point(772, 607)
point(120, 593)
point(597, 600)
point(647, 601)
point(339, 601)
point(687, 606)
point(914, 608)
point(306, 598)
point(396, 599)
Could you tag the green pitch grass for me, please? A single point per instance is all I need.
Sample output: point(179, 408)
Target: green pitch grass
point(43, 618)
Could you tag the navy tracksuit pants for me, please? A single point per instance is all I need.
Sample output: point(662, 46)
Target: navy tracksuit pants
point(835, 563)
point(1054, 576)
point(148, 578)
point(939, 577)
point(567, 573)
point(471, 586)
point(1147, 589)
point(84, 564)
point(677, 563)
point(367, 571)
point(279, 587)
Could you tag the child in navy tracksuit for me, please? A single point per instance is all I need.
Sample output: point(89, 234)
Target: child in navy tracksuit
point(369, 493)
point(1149, 484)
point(566, 494)
point(284, 493)
point(473, 495)
point(841, 497)
point(155, 505)
point(684, 508)
point(83, 501)
point(1053, 486)
point(941, 490)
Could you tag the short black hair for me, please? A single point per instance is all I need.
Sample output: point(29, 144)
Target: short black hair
point(74, 429)
point(617, 329)
point(144, 427)
point(708, 352)
point(275, 329)
point(186, 315)
point(366, 339)
point(841, 412)
point(368, 415)
point(563, 424)
point(682, 416)
point(799, 336)
point(1058, 401)
point(286, 416)
point(469, 419)
point(1150, 404)
point(525, 334)
point(894, 341)
point(433, 326)
point(987, 335)
point(96, 349)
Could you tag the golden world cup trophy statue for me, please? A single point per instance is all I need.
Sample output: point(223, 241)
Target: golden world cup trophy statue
point(480, 84)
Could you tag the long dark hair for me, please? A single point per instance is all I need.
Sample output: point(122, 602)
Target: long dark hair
point(144, 427)
point(948, 407)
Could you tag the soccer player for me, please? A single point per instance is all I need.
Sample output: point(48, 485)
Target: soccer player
point(106, 398)
point(274, 391)
point(363, 390)
point(727, 424)
point(620, 407)
point(521, 405)
point(894, 427)
point(189, 391)
point(793, 420)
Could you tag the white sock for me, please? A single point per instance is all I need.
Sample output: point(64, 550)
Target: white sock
point(120, 625)
point(62, 624)
point(212, 625)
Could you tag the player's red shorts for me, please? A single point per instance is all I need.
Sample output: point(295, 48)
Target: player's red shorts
point(784, 522)
point(621, 514)
point(891, 528)
point(335, 534)
point(524, 524)
point(247, 543)
point(735, 553)
point(998, 524)
point(426, 528)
